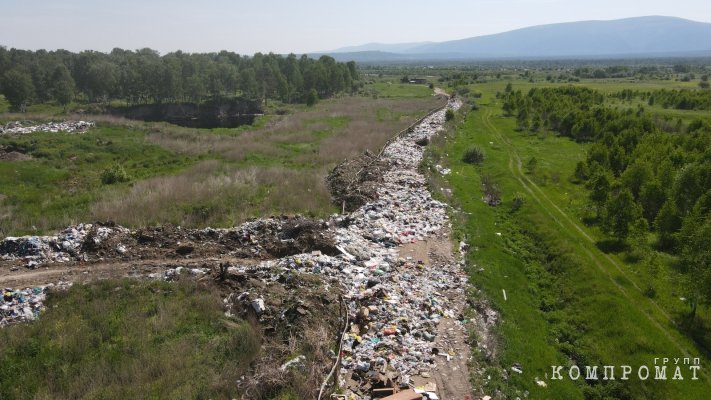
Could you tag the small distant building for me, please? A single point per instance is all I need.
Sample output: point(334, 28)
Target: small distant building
point(418, 81)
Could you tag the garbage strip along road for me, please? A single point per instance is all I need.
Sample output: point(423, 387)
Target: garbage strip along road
point(405, 332)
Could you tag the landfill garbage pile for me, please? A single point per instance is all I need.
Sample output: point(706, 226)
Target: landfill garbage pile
point(395, 304)
point(64, 247)
point(392, 305)
point(263, 238)
point(25, 127)
point(25, 304)
point(354, 182)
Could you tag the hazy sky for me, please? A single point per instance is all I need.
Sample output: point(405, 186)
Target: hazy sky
point(296, 26)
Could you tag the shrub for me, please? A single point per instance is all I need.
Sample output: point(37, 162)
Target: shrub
point(473, 155)
point(449, 115)
point(517, 202)
point(312, 98)
point(422, 141)
point(113, 175)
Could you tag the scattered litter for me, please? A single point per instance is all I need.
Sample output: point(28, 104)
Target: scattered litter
point(517, 368)
point(442, 170)
point(294, 363)
point(25, 127)
point(394, 304)
point(541, 383)
point(258, 306)
point(409, 394)
point(24, 305)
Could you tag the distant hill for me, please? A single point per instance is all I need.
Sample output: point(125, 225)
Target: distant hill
point(381, 47)
point(629, 38)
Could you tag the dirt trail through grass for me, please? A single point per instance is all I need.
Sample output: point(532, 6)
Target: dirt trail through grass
point(603, 262)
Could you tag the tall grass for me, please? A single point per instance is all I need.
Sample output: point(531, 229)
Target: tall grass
point(279, 168)
point(127, 339)
point(216, 194)
point(189, 176)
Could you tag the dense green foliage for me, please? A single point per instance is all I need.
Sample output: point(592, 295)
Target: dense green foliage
point(644, 172)
point(144, 76)
point(127, 339)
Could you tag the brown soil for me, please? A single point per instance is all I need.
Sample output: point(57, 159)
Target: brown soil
point(451, 377)
point(8, 154)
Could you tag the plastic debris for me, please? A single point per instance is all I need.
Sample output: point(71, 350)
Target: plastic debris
point(23, 305)
point(25, 127)
point(394, 303)
point(293, 363)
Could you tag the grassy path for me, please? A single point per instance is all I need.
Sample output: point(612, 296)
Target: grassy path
point(606, 264)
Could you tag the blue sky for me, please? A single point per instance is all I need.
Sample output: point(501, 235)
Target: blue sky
point(296, 26)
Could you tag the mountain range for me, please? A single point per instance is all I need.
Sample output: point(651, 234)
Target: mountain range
point(652, 36)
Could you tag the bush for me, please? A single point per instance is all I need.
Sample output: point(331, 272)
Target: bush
point(517, 202)
point(473, 155)
point(312, 98)
point(449, 115)
point(113, 175)
point(422, 141)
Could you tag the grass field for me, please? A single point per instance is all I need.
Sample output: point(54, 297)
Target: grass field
point(566, 299)
point(396, 89)
point(193, 177)
point(127, 339)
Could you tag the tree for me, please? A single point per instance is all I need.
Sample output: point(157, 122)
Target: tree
point(651, 198)
point(620, 211)
point(312, 98)
point(635, 176)
point(102, 80)
point(599, 189)
point(18, 88)
point(696, 260)
point(62, 85)
point(581, 172)
point(667, 224)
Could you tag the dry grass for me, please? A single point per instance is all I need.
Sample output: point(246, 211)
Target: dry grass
point(367, 127)
point(278, 169)
point(215, 194)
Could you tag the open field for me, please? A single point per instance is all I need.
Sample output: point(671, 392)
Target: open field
point(561, 289)
point(193, 177)
point(127, 338)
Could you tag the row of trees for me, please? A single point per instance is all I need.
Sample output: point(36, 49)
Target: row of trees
point(144, 76)
point(643, 173)
point(571, 111)
point(677, 99)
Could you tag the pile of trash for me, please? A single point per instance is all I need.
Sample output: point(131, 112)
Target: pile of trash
point(263, 238)
point(67, 246)
point(25, 127)
point(393, 304)
point(355, 182)
point(21, 305)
